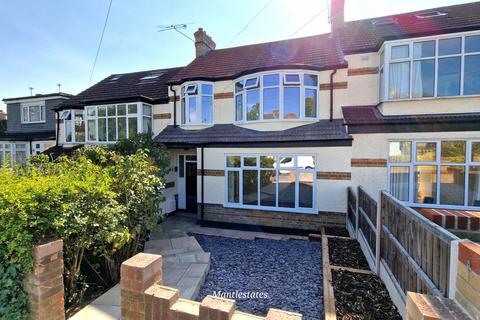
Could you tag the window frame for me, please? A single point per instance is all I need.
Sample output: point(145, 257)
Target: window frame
point(298, 170)
point(28, 121)
point(438, 163)
point(12, 149)
point(281, 86)
point(71, 124)
point(384, 65)
point(197, 93)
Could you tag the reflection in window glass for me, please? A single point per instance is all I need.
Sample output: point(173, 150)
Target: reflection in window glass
point(449, 76)
point(271, 103)
point(449, 46)
point(250, 187)
point(286, 188)
point(102, 129)
point(472, 44)
point(207, 89)
point(423, 78)
point(476, 151)
point(400, 52)
point(253, 105)
point(268, 188)
point(452, 185)
point(310, 103)
point(92, 135)
point(471, 76)
point(122, 128)
point(234, 186)
point(250, 161)
point(271, 80)
point(79, 126)
point(111, 111)
point(287, 162)
point(453, 151)
point(251, 83)
point(425, 184)
point(424, 49)
point(192, 109)
point(306, 162)
point(291, 100)
point(132, 126)
point(400, 151)
point(310, 80)
point(292, 78)
point(399, 182)
point(267, 162)
point(121, 110)
point(132, 108)
point(239, 107)
point(305, 189)
point(233, 161)
point(474, 186)
point(206, 109)
point(112, 129)
point(399, 80)
point(426, 151)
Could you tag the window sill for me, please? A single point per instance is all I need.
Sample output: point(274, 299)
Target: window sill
point(33, 122)
point(278, 121)
point(440, 206)
point(431, 98)
point(286, 210)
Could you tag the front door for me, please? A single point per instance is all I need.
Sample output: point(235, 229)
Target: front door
point(191, 186)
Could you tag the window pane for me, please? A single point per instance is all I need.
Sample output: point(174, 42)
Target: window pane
point(239, 107)
point(147, 110)
point(207, 109)
point(306, 162)
point(207, 89)
point(426, 151)
point(122, 127)
point(271, 80)
point(400, 52)
point(132, 126)
point(424, 49)
point(452, 185)
point(423, 78)
point(34, 112)
point(449, 46)
point(192, 109)
point(287, 162)
point(238, 86)
point(182, 107)
point(310, 80)
point(91, 111)
point(400, 151)
point(121, 109)
point(250, 187)
point(79, 126)
point(399, 82)
point(250, 161)
point(102, 111)
point(132, 108)
point(472, 44)
point(425, 184)
point(253, 105)
point(271, 103)
point(399, 182)
point(305, 189)
point(112, 127)
point(291, 102)
point(111, 111)
point(476, 151)
point(92, 134)
point(474, 187)
point(310, 103)
point(268, 188)
point(453, 151)
point(382, 84)
point(25, 114)
point(233, 186)
point(233, 161)
point(286, 189)
point(471, 76)
point(251, 82)
point(147, 124)
point(68, 131)
point(292, 78)
point(102, 129)
point(448, 76)
point(267, 162)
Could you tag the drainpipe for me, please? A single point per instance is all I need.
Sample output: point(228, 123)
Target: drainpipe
point(58, 128)
point(202, 205)
point(331, 94)
point(174, 107)
point(31, 148)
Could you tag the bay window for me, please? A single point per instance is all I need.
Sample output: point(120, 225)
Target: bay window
point(271, 182)
point(276, 96)
point(33, 114)
point(431, 67)
point(74, 125)
point(441, 173)
point(197, 103)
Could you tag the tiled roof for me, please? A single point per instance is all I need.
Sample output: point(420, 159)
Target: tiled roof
point(322, 51)
point(126, 86)
point(322, 130)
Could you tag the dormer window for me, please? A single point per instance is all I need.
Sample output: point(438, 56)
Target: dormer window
point(197, 103)
point(152, 76)
point(277, 96)
point(430, 14)
point(33, 114)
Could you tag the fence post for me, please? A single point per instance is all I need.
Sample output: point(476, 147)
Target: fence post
point(357, 197)
point(378, 232)
point(452, 275)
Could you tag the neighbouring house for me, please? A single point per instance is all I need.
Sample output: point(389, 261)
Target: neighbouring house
point(30, 127)
point(272, 134)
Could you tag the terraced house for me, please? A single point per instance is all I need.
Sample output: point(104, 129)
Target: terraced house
point(272, 134)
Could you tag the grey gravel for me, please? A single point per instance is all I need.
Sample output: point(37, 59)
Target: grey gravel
point(288, 272)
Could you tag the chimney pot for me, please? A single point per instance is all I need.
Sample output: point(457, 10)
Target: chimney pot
point(203, 42)
point(337, 14)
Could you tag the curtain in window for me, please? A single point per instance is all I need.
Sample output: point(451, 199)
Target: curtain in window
point(423, 78)
point(399, 182)
point(399, 80)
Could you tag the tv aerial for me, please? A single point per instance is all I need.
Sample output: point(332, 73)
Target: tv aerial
point(176, 27)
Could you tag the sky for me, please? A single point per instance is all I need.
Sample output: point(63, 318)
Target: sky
point(47, 42)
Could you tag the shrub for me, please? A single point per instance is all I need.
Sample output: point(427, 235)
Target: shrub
point(13, 300)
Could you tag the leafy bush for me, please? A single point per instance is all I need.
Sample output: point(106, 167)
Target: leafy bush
point(13, 301)
point(99, 202)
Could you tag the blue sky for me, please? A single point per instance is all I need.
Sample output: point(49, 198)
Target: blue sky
point(45, 42)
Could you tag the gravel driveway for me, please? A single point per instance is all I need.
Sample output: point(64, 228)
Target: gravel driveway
point(278, 274)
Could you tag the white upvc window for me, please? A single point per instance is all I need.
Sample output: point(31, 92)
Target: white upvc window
point(197, 103)
point(435, 173)
point(33, 114)
point(430, 67)
point(271, 182)
point(279, 95)
point(13, 153)
point(74, 125)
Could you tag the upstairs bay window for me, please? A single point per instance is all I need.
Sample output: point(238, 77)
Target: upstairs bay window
point(428, 68)
point(197, 103)
point(276, 96)
point(435, 173)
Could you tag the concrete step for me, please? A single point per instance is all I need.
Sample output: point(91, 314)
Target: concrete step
point(174, 243)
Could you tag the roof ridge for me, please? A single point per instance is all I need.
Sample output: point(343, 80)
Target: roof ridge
point(143, 71)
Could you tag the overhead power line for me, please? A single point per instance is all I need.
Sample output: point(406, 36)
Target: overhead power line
point(311, 19)
point(249, 22)
point(100, 42)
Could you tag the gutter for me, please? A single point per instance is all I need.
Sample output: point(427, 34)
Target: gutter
point(174, 107)
point(331, 94)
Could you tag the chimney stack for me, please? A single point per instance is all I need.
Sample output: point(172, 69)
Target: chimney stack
point(337, 14)
point(203, 42)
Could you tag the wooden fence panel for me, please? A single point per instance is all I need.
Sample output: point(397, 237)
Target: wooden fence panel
point(367, 218)
point(352, 208)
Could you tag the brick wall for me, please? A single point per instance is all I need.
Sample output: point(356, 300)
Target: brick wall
point(144, 298)
point(468, 278)
point(218, 213)
point(45, 285)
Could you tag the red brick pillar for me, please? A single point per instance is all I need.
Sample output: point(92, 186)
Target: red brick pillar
point(137, 274)
point(45, 285)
